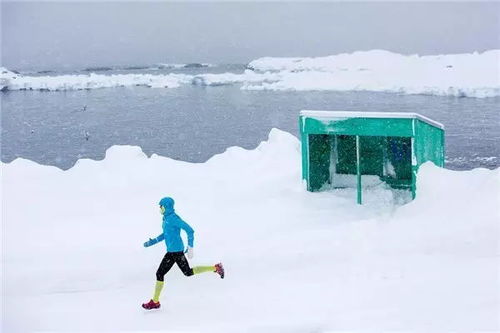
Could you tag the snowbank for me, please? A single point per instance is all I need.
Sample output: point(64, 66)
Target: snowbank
point(11, 81)
point(296, 261)
point(462, 75)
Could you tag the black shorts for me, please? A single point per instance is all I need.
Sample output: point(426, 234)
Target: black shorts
point(168, 261)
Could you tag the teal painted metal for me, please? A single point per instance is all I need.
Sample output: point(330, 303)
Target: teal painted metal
point(429, 144)
point(358, 170)
point(392, 146)
point(359, 126)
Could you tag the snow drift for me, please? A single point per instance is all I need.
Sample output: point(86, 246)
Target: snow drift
point(460, 75)
point(296, 261)
point(13, 81)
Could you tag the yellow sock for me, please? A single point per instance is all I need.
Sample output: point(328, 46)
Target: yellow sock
point(203, 269)
point(158, 288)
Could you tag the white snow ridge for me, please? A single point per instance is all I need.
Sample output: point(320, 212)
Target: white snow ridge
point(459, 75)
point(11, 81)
point(295, 261)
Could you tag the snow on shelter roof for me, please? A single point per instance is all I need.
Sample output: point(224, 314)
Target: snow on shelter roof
point(358, 114)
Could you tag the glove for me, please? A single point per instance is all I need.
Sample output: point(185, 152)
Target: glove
point(150, 242)
point(189, 252)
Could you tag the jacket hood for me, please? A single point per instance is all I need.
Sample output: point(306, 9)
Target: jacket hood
point(168, 204)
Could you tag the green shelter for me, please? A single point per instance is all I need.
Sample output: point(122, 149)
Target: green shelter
point(356, 149)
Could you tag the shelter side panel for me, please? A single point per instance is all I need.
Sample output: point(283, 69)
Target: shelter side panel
point(429, 144)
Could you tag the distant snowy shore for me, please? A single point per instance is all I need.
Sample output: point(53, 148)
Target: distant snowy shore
point(460, 75)
point(12, 81)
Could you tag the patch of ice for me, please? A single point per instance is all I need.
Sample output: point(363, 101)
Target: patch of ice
point(247, 77)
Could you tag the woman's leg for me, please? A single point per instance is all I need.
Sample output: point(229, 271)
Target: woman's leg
point(165, 265)
point(187, 270)
point(183, 264)
point(203, 269)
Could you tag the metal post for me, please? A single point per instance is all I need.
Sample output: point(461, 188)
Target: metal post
point(414, 167)
point(358, 168)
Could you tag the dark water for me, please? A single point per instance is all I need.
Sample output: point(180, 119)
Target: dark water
point(193, 123)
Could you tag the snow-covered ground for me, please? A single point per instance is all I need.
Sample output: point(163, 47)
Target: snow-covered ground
point(461, 75)
point(295, 261)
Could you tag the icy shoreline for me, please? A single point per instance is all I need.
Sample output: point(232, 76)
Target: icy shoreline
point(13, 81)
point(459, 75)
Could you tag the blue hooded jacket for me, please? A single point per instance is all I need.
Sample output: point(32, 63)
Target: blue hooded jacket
point(172, 225)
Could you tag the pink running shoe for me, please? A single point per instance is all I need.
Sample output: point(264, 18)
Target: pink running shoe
point(219, 269)
point(151, 305)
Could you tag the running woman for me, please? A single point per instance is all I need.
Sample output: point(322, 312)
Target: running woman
point(172, 225)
